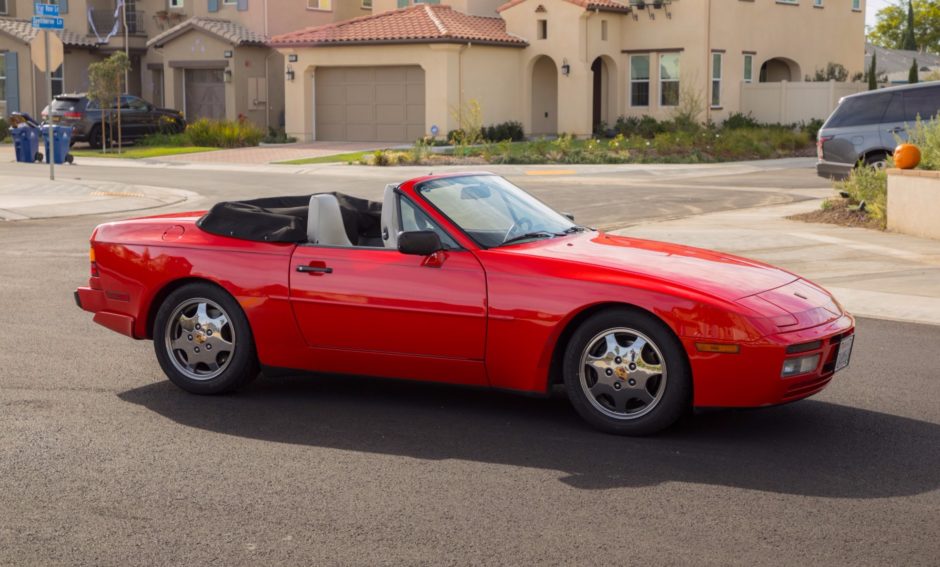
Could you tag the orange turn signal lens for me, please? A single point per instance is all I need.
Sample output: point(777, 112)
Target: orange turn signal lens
point(718, 348)
point(91, 254)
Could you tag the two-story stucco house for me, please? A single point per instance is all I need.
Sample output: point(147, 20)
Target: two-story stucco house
point(208, 58)
point(555, 65)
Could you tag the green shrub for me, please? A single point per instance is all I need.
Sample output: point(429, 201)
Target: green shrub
point(926, 136)
point(381, 158)
point(163, 140)
point(738, 120)
point(223, 133)
point(278, 136)
point(870, 186)
point(504, 131)
point(812, 127)
point(4, 129)
point(644, 127)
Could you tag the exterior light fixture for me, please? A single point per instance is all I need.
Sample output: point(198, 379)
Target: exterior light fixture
point(565, 68)
point(290, 73)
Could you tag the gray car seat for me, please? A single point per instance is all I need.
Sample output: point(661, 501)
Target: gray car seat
point(325, 224)
point(390, 218)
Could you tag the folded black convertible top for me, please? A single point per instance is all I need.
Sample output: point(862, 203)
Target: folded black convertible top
point(284, 219)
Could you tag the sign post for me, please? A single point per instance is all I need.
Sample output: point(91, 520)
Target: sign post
point(47, 18)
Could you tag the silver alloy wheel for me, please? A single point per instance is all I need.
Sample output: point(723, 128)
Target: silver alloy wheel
point(200, 339)
point(623, 373)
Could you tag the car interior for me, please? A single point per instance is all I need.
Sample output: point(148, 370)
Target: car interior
point(323, 219)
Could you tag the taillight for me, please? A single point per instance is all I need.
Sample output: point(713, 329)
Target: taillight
point(73, 115)
point(820, 140)
point(94, 264)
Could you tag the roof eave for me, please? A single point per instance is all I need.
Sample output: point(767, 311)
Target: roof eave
point(454, 41)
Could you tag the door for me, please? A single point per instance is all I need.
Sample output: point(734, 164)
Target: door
point(375, 300)
point(383, 104)
point(205, 94)
point(135, 117)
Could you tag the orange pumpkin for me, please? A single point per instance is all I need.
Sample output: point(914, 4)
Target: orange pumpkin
point(906, 156)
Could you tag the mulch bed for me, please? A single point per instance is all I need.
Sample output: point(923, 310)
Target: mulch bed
point(838, 212)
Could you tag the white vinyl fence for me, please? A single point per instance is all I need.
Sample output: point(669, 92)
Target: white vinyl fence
point(789, 103)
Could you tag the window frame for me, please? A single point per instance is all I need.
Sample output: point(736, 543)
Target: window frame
point(856, 5)
point(662, 81)
point(319, 7)
point(60, 79)
point(541, 29)
point(748, 70)
point(717, 71)
point(175, 4)
point(647, 80)
point(3, 76)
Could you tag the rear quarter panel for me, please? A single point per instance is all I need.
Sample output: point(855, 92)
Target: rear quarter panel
point(141, 261)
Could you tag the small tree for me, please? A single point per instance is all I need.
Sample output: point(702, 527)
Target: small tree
point(873, 72)
point(912, 75)
point(104, 86)
point(909, 40)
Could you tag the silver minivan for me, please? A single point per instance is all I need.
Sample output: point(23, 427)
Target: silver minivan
point(865, 127)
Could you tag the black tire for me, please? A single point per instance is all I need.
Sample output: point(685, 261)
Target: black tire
point(69, 159)
point(38, 157)
point(94, 137)
point(670, 393)
point(877, 160)
point(236, 369)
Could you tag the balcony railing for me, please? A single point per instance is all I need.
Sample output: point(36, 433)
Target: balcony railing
point(103, 19)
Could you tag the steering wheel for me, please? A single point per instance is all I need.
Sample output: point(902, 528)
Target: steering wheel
point(521, 226)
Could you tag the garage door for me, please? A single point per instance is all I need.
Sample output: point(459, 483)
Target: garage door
point(205, 94)
point(366, 104)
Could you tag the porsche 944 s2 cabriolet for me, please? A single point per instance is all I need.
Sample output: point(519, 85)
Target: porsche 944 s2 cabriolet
point(463, 279)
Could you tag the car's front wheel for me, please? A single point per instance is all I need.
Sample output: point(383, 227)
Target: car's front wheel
point(203, 341)
point(626, 373)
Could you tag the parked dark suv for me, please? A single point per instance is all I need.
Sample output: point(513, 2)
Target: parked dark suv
point(865, 127)
point(138, 118)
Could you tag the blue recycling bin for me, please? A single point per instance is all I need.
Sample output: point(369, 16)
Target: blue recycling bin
point(61, 140)
point(26, 144)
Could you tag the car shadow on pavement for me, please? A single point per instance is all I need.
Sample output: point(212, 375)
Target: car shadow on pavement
point(810, 448)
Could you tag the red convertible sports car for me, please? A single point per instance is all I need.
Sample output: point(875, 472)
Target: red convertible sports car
point(464, 279)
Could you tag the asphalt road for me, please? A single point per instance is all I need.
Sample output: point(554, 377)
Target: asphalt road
point(103, 462)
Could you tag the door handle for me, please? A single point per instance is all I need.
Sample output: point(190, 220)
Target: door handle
point(314, 270)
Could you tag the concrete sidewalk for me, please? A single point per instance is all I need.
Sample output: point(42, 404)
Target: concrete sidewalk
point(873, 274)
point(23, 198)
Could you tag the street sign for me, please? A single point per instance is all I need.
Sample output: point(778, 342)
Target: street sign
point(48, 22)
point(37, 51)
point(45, 10)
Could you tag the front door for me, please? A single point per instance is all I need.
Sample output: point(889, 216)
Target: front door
point(375, 306)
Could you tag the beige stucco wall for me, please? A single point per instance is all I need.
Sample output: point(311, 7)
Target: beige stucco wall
point(914, 202)
point(454, 74)
point(25, 75)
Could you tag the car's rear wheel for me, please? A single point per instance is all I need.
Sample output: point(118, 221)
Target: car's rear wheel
point(877, 161)
point(626, 373)
point(203, 341)
point(94, 137)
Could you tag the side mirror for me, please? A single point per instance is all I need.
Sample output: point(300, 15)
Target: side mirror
point(419, 242)
point(569, 216)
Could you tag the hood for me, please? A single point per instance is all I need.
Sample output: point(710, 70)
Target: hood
point(713, 273)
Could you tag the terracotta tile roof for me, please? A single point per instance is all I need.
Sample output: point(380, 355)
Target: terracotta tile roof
point(602, 5)
point(24, 31)
point(224, 29)
point(419, 24)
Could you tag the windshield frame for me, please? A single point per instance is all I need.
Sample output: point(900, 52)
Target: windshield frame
point(417, 189)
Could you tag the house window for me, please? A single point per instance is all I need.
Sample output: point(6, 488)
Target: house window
point(176, 3)
point(542, 29)
point(639, 80)
point(669, 79)
point(788, 1)
point(716, 80)
point(320, 4)
point(366, 4)
point(230, 2)
point(818, 3)
point(857, 5)
point(3, 7)
point(58, 81)
point(748, 68)
point(603, 30)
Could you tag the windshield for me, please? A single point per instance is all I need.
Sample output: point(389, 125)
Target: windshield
point(493, 211)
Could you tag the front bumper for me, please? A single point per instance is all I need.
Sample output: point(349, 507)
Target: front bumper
point(95, 301)
point(751, 378)
point(833, 169)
